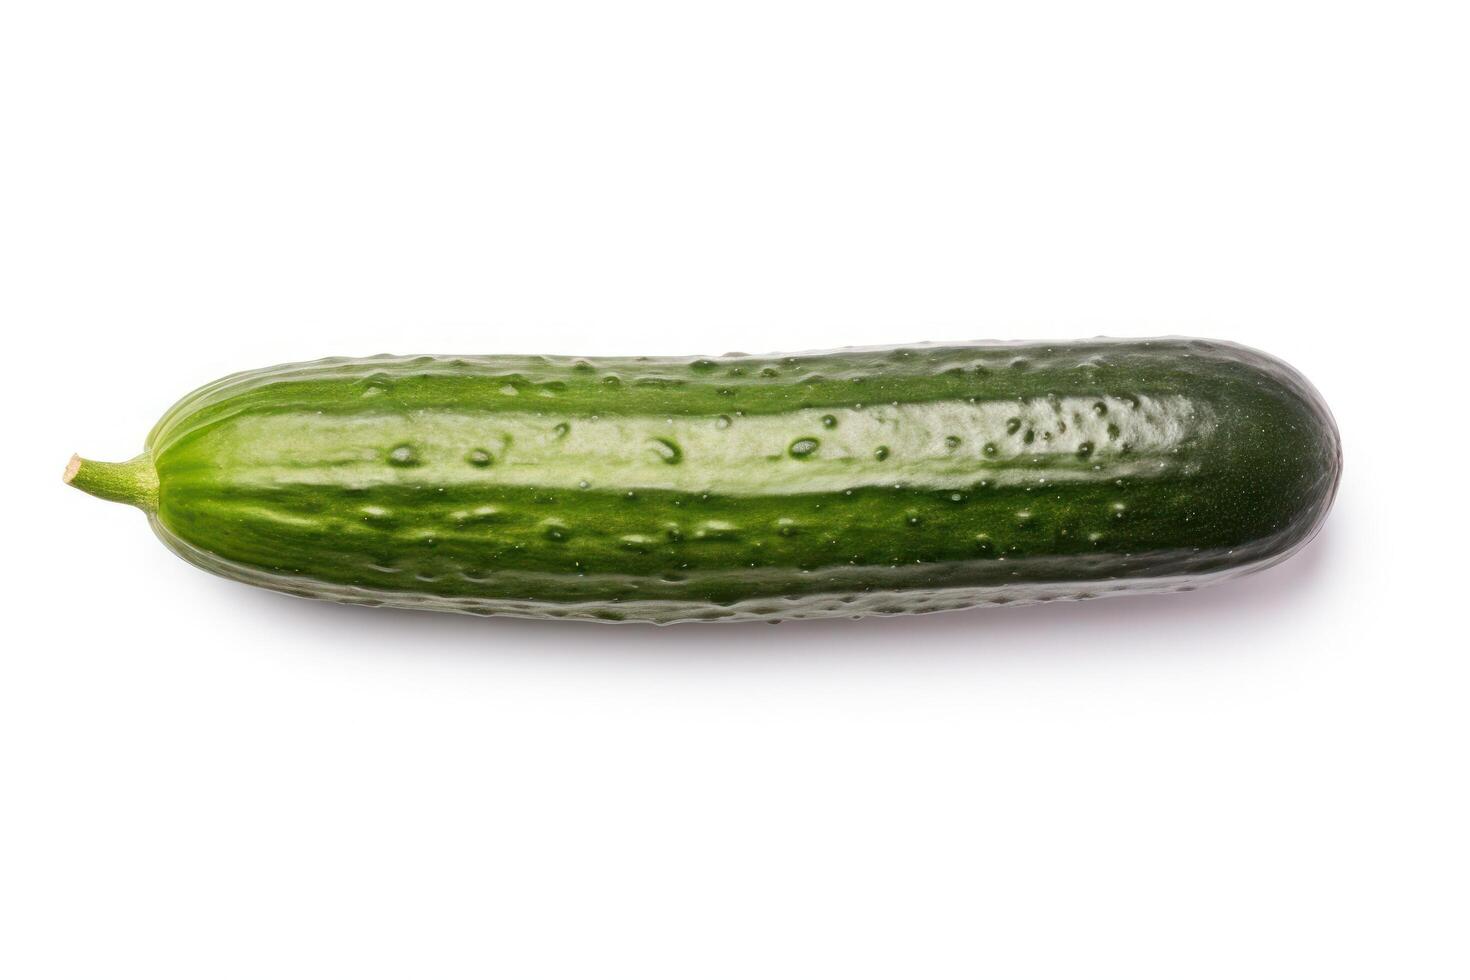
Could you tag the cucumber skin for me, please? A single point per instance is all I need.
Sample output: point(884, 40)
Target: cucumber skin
point(366, 480)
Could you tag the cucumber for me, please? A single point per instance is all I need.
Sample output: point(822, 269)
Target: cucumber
point(849, 482)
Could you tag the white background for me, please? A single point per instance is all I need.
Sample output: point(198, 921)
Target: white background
point(199, 779)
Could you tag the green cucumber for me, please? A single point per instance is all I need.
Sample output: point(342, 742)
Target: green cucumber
point(665, 489)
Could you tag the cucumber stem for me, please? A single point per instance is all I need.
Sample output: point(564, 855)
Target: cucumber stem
point(134, 482)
